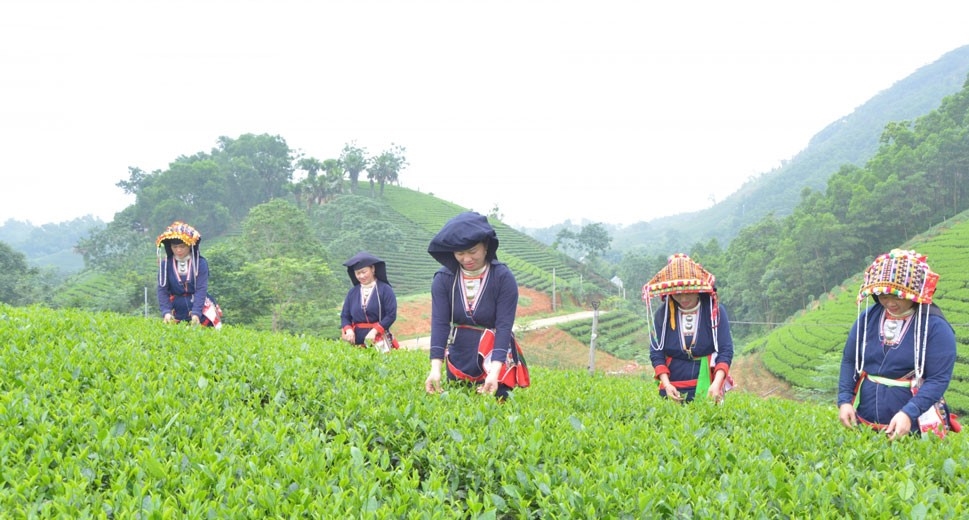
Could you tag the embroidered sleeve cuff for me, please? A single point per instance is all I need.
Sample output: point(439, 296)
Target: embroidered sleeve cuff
point(722, 366)
point(659, 370)
point(348, 327)
point(380, 328)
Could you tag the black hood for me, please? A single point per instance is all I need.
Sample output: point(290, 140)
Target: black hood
point(364, 259)
point(460, 233)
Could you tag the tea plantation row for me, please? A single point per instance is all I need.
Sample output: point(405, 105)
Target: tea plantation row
point(108, 416)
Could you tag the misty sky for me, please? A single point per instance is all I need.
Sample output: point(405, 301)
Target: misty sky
point(610, 111)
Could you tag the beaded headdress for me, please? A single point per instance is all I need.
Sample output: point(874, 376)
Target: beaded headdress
point(179, 231)
point(680, 275)
point(902, 273)
point(905, 274)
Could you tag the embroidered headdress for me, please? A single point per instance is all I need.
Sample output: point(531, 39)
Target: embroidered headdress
point(177, 232)
point(902, 273)
point(680, 275)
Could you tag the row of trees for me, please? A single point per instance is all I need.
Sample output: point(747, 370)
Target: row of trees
point(217, 189)
point(326, 179)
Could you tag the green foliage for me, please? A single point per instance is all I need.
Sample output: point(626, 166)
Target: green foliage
point(592, 240)
point(122, 417)
point(257, 169)
point(275, 274)
point(213, 190)
point(324, 180)
point(19, 283)
point(288, 285)
point(50, 245)
point(352, 223)
point(385, 168)
point(353, 158)
point(120, 246)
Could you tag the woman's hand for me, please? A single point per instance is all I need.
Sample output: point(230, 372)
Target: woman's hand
point(371, 336)
point(846, 414)
point(899, 426)
point(433, 382)
point(671, 390)
point(168, 318)
point(490, 385)
point(349, 336)
point(716, 387)
point(716, 393)
point(195, 319)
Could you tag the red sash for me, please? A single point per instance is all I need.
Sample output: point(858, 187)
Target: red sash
point(380, 336)
point(514, 373)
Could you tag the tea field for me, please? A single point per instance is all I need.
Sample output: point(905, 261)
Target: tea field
point(107, 416)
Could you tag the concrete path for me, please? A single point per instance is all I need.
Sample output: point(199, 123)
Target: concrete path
point(424, 342)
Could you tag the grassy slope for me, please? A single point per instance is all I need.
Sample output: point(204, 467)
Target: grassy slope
point(422, 215)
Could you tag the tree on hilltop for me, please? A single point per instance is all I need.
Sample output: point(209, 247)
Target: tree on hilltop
point(354, 161)
point(386, 167)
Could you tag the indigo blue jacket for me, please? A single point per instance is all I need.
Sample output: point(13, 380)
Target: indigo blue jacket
point(674, 360)
point(879, 403)
point(496, 306)
point(178, 296)
point(381, 307)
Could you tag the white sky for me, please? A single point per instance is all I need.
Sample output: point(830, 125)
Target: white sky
point(611, 111)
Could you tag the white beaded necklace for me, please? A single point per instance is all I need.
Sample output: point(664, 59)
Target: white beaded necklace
point(473, 282)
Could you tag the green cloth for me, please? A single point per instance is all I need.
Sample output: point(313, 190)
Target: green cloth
point(703, 378)
point(880, 380)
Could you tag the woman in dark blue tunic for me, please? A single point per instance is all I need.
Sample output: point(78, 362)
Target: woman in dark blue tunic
point(474, 298)
point(900, 353)
point(370, 306)
point(691, 348)
point(183, 278)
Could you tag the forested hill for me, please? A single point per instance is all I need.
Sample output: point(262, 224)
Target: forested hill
point(49, 245)
point(776, 266)
point(852, 140)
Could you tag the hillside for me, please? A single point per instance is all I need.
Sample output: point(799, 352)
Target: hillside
point(50, 245)
point(122, 417)
point(852, 139)
point(806, 351)
point(416, 217)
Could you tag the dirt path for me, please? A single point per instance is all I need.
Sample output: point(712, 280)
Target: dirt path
point(424, 342)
